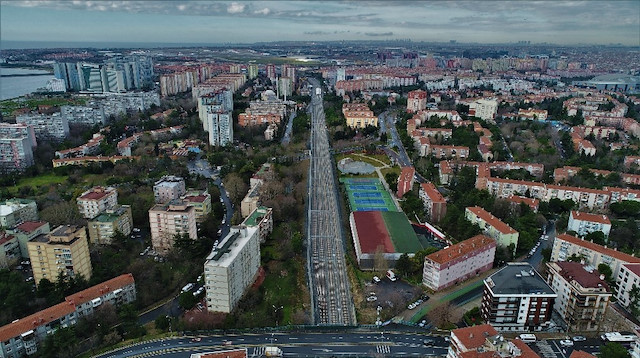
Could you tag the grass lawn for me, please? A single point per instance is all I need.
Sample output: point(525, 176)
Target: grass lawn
point(375, 160)
point(36, 182)
point(8, 106)
point(395, 170)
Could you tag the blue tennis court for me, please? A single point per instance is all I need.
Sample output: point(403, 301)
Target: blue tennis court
point(369, 201)
point(367, 194)
point(362, 187)
point(371, 208)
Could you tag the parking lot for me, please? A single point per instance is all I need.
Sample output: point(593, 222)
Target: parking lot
point(393, 297)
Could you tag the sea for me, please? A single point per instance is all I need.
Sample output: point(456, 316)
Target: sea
point(16, 86)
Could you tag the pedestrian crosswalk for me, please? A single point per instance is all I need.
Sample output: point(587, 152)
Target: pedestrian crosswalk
point(257, 352)
point(383, 349)
point(546, 350)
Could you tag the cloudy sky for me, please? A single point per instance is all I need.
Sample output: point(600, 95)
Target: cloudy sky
point(562, 22)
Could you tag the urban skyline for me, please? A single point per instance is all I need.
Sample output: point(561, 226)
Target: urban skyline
point(216, 22)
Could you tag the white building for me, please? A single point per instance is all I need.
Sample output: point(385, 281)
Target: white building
point(47, 127)
point(516, 298)
point(456, 263)
point(485, 109)
point(564, 246)
point(16, 154)
point(116, 291)
point(171, 219)
point(97, 200)
point(83, 115)
point(220, 127)
point(168, 188)
point(585, 223)
point(231, 268)
point(628, 277)
point(15, 211)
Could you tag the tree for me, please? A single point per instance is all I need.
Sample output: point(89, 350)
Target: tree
point(236, 187)
point(445, 315)
point(404, 265)
point(606, 271)
point(596, 237)
point(634, 300)
point(613, 350)
point(380, 264)
point(187, 300)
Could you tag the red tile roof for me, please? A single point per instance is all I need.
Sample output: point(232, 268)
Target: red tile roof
point(31, 226)
point(474, 336)
point(491, 220)
point(460, 249)
point(533, 203)
point(476, 354)
point(575, 271)
point(581, 354)
point(196, 198)
point(635, 268)
point(601, 249)
point(37, 319)
point(4, 237)
point(526, 351)
point(372, 232)
point(96, 193)
point(432, 192)
point(100, 289)
point(596, 218)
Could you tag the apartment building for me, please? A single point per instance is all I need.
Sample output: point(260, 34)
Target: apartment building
point(484, 108)
point(16, 147)
point(168, 188)
point(16, 211)
point(441, 151)
point(46, 127)
point(220, 127)
point(22, 337)
point(504, 234)
point(9, 250)
point(64, 250)
point(200, 200)
point(434, 203)
point(416, 101)
point(262, 218)
point(534, 204)
point(458, 262)
point(583, 295)
point(104, 226)
point(231, 268)
point(584, 223)
point(116, 291)
point(217, 100)
point(628, 278)
point(83, 115)
point(92, 147)
point(516, 298)
point(97, 200)
point(26, 231)
point(470, 339)
point(405, 181)
point(19, 130)
point(565, 246)
point(251, 201)
point(532, 113)
point(168, 220)
point(358, 115)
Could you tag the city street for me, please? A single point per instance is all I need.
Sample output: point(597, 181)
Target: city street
point(316, 344)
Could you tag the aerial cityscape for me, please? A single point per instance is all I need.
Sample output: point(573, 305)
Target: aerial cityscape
point(212, 179)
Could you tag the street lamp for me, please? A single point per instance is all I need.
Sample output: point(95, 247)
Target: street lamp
point(275, 310)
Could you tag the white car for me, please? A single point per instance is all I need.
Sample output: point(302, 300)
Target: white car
point(199, 291)
point(188, 287)
point(372, 299)
point(566, 343)
point(376, 279)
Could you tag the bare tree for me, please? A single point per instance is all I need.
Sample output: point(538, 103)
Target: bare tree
point(444, 315)
point(380, 264)
point(236, 187)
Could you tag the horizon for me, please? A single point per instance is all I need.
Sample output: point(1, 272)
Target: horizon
point(249, 22)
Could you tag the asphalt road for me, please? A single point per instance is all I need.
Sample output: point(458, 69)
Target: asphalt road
point(319, 344)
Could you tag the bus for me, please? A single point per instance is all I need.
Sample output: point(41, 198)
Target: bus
point(527, 337)
point(624, 338)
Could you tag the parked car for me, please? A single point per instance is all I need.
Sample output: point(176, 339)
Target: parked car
point(372, 299)
point(188, 287)
point(428, 342)
point(376, 279)
point(579, 338)
point(566, 343)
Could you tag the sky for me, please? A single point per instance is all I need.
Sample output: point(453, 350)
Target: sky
point(215, 22)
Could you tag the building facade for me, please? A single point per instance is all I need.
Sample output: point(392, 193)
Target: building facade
point(27, 231)
point(116, 291)
point(583, 295)
point(262, 218)
point(492, 226)
point(231, 268)
point(416, 101)
point(97, 200)
point(405, 181)
point(65, 250)
point(168, 188)
point(516, 298)
point(46, 127)
point(16, 211)
point(628, 279)
point(200, 200)
point(171, 219)
point(103, 227)
point(456, 263)
point(434, 203)
point(585, 223)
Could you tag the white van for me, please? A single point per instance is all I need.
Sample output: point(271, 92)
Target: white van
point(527, 337)
point(188, 287)
point(391, 276)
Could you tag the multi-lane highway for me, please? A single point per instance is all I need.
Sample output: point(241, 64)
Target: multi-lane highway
point(331, 299)
point(316, 344)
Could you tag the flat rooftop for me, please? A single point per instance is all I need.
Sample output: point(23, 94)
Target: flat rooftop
point(518, 279)
point(226, 251)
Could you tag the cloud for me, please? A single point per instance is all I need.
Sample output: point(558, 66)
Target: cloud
point(378, 34)
point(264, 11)
point(235, 8)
